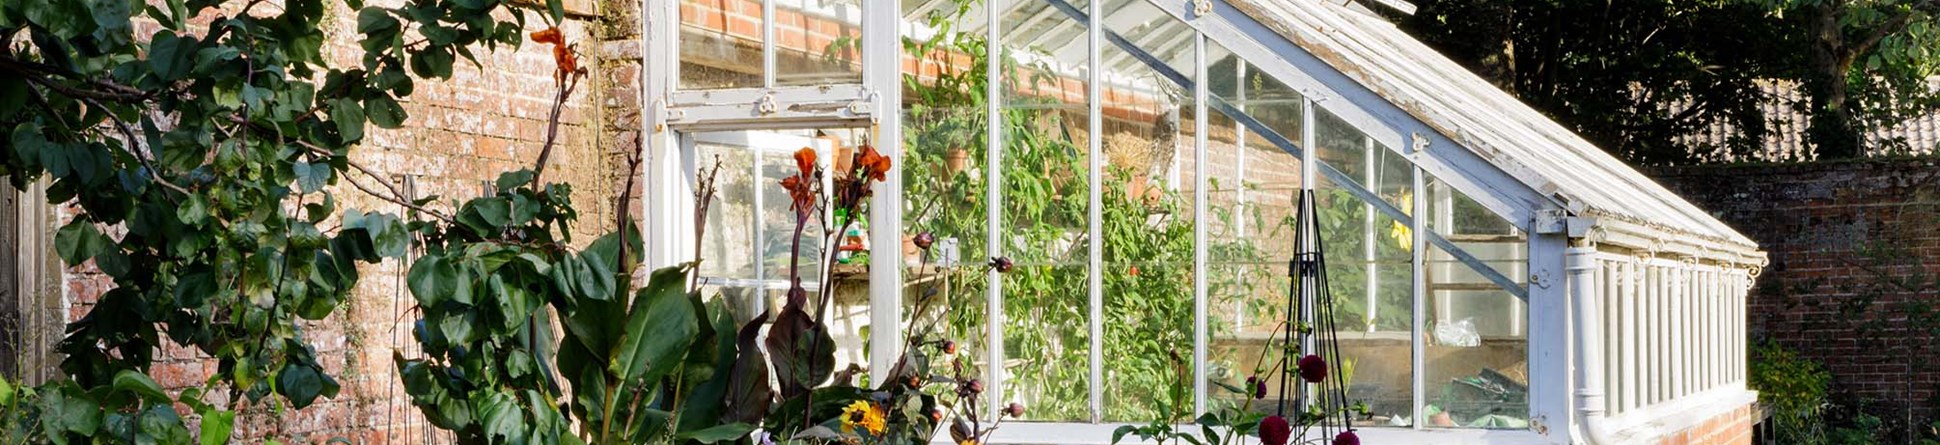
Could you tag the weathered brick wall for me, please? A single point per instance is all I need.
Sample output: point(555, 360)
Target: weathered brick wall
point(461, 135)
point(1838, 235)
point(1733, 428)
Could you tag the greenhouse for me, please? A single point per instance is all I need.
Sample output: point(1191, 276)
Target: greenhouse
point(1498, 279)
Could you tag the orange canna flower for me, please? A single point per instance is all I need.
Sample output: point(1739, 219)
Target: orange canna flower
point(805, 160)
point(549, 35)
point(875, 164)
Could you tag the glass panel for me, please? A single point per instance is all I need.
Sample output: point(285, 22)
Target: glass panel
point(818, 42)
point(720, 44)
point(1254, 188)
point(1370, 271)
point(944, 173)
point(1477, 346)
point(1045, 135)
point(1148, 250)
point(748, 240)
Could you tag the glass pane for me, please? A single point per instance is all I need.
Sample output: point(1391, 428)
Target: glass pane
point(1254, 187)
point(1477, 349)
point(818, 42)
point(720, 44)
point(1370, 271)
point(1045, 135)
point(1148, 250)
point(944, 174)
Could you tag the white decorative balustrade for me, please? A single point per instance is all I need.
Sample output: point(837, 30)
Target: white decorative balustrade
point(1672, 331)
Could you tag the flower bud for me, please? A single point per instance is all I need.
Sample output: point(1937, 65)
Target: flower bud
point(1015, 409)
point(974, 386)
point(949, 347)
point(1002, 264)
point(1312, 368)
point(924, 240)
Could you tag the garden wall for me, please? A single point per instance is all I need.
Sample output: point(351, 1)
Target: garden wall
point(461, 134)
point(1854, 250)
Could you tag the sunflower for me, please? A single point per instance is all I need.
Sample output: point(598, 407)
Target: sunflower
point(865, 415)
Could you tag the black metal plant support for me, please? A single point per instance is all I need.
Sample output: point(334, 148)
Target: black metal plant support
point(1309, 315)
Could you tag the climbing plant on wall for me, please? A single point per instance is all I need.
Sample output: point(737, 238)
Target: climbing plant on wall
point(199, 162)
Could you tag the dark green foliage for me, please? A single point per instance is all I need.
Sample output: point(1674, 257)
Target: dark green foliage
point(212, 152)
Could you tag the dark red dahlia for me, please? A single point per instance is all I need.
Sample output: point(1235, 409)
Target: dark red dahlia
point(1347, 438)
point(1312, 368)
point(1274, 430)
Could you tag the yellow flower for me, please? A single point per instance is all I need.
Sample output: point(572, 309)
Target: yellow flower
point(1400, 232)
point(865, 415)
point(968, 442)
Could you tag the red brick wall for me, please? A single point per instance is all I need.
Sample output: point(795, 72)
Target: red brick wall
point(1733, 428)
point(1839, 234)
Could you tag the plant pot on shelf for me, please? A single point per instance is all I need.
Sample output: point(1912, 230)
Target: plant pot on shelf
point(955, 161)
point(912, 255)
point(844, 157)
point(1136, 190)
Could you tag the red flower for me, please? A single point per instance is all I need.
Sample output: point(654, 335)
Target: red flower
point(562, 54)
point(549, 35)
point(801, 187)
point(1257, 385)
point(1312, 368)
point(1275, 431)
point(805, 161)
point(873, 165)
point(1347, 438)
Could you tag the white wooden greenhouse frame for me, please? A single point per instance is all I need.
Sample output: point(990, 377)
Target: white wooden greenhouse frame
point(1632, 299)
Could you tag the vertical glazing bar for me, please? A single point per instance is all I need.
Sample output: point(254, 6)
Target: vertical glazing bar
point(662, 191)
point(754, 224)
point(1417, 350)
point(1367, 235)
point(1199, 224)
point(993, 235)
point(1612, 316)
point(1239, 143)
point(1306, 244)
point(768, 43)
point(1630, 315)
point(881, 48)
point(1094, 269)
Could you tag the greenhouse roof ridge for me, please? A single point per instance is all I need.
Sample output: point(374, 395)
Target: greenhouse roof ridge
point(1486, 120)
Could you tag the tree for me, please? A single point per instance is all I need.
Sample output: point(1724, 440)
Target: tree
point(1640, 78)
point(1866, 66)
point(200, 163)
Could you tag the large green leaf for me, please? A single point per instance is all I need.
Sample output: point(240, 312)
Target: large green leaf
point(499, 413)
point(80, 241)
point(801, 350)
point(659, 327)
point(718, 433)
point(217, 426)
point(140, 384)
point(432, 280)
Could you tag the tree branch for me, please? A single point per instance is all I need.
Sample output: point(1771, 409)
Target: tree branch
point(1890, 27)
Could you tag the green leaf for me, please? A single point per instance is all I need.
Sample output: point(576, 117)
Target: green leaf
point(558, 10)
point(302, 384)
point(140, 384)
point(217, 426)
point(384, 111)
point(372, 20)
point(718, 433)
point(504, 422)
point(349, 117)
point(512, 180)
point(6, 392)
point(660, 326)
point(311, 177)
point(79, 241)
point(432, 280)
point(171, 57)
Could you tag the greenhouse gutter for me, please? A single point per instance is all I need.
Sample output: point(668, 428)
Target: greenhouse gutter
point(1342, 179)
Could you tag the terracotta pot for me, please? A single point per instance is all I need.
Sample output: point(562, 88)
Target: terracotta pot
point(1441, 419)
point(955, 161)
point(912, 255)
point(844, 158)
point(1137, 189)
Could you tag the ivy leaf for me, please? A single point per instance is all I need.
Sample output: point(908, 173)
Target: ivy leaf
point(311, 177)
point(659, 328)
point(79, 241)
